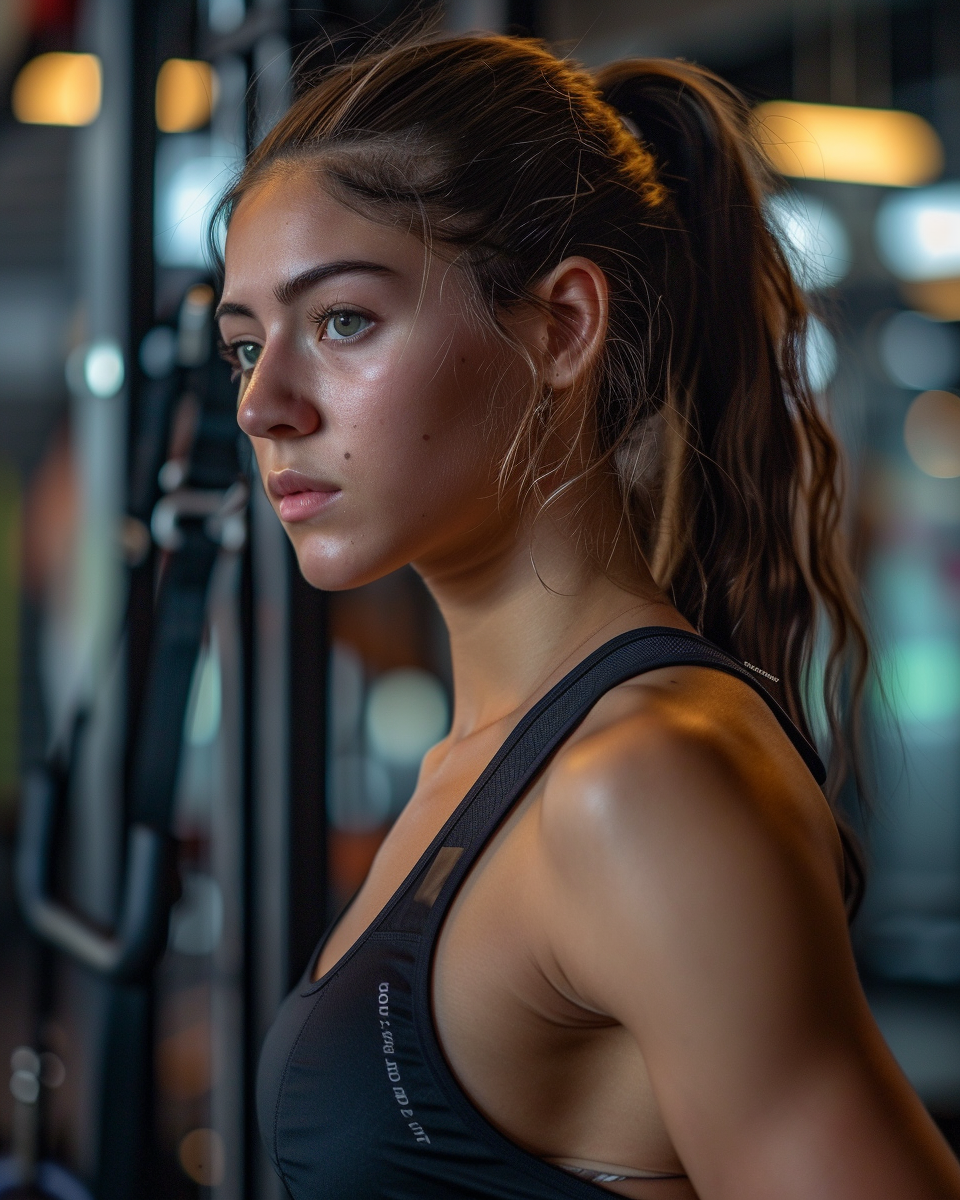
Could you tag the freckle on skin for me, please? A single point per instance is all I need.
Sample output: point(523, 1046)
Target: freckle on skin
point(347, 455)
point(426, 437)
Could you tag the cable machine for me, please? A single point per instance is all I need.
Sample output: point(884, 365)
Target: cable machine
point(154, 852)
point(173, 848)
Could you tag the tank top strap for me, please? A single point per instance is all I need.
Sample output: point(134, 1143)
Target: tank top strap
point(537, 735)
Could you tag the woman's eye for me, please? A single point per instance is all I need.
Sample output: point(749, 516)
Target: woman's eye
point(247, 354)
point(345, 324)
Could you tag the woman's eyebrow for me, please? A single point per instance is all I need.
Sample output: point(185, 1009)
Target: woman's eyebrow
point(290, 289)
point(227, 309)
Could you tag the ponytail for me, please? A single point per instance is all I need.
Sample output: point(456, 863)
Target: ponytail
point(750, 542)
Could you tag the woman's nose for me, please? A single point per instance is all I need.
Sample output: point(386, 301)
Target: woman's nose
point(272, 409)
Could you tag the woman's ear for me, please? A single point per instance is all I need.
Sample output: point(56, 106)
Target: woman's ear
point(576, 301)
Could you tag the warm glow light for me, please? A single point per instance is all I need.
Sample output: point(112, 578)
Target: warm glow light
point(938, 298)
point(850, 145)
point(932, 434)
point(186, 94)
point(58, 89)
point(202, 1157)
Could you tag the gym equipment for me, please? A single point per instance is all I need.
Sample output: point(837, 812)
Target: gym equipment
point(199, 514)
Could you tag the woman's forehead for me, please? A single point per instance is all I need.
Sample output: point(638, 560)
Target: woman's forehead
point(290, 216)
point(289, 226)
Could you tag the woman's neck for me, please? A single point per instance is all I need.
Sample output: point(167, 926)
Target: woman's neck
point(526, 610)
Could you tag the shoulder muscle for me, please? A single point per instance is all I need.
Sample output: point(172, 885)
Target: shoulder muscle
point(691, 894)
point(677, 852)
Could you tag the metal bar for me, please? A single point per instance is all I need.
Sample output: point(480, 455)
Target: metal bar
point(140, 931)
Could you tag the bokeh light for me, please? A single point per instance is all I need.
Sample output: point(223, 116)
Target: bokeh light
point(184, 1063)
point(158, 352)
point(850, 145)
point(931, 432)
point(814, 238)
point(917, 352)
point(192, 171)
point(225, 15)
point(407, 713)
point(185, 96)
point(918, 233)
point(821, 355)
point(58, 89)
point(938, 298)
point(103, 371)
point(202, 1157)
point(921, 680)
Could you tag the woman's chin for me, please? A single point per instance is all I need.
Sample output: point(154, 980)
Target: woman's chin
point(339, 572)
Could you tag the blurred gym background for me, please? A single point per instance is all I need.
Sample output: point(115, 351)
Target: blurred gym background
point(199, 755)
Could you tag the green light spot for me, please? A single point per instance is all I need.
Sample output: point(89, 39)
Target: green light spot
point(921, 679)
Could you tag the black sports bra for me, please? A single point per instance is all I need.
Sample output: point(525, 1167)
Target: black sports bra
point(354, 1096)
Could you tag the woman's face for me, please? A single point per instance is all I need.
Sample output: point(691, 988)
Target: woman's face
point(365, 386)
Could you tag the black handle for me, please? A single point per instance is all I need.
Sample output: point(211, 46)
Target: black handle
point(139, 937)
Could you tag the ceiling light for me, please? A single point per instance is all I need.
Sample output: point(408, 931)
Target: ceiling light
point(850, 145)
point(58, 89)
point(186, 95)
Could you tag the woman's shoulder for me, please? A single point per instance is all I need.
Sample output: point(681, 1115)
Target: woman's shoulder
point(679, 823)
point(689, 892)
point(681, 763)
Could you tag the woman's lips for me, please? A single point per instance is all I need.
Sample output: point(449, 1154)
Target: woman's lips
point(298, 496)
point(300, 505)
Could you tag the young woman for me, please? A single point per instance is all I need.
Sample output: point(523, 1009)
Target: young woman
point(528, 330)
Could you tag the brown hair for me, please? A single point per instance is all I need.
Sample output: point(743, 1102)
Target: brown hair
point(510, 159)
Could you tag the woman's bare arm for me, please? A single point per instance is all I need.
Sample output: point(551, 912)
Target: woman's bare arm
point(693, 886)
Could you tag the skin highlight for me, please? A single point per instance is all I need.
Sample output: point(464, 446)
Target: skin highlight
point(649, 966)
